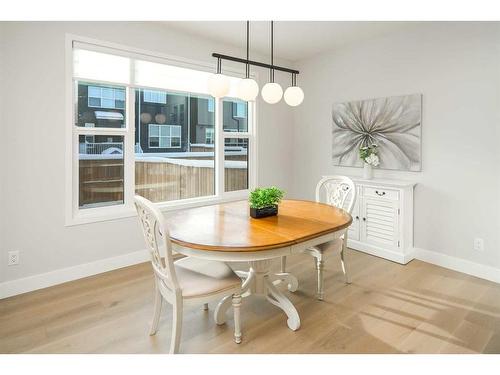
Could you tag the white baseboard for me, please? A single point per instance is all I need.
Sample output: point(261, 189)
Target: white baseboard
point(395, 256)
point(44, 280)
point(457, 264)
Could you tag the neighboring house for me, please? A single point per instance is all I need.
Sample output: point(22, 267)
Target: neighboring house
point(100, 107)
point(164, 121)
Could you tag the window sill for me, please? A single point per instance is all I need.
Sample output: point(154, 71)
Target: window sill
point(111, 213)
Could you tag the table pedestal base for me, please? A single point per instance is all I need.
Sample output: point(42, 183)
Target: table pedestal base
point(259, 281)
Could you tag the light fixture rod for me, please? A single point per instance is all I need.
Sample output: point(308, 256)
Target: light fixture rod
point(219, 66)
point(254, 63)
point(247, 75)
point(271, 71)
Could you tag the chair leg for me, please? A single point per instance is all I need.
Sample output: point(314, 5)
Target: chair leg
point(283, 264)
point(342, 260)
point(319, 269)
point(156, 313)
point(237, 319)
point(176, 326)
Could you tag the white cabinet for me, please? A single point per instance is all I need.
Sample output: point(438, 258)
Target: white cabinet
point(383, 219)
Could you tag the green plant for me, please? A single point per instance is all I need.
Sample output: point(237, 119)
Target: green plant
point(369, 155)
point(265, 197)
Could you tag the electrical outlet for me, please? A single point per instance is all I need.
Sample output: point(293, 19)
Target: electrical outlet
point(478, 244)
point(13, 258)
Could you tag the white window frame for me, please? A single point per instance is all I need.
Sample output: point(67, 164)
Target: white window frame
point(76, 216)
point(169, 137)
point(161, 96)
point(101, 98)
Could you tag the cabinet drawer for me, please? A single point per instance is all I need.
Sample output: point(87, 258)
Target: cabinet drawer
point(381, 193)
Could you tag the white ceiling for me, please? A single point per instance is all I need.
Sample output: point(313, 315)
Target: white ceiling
point(293, 40)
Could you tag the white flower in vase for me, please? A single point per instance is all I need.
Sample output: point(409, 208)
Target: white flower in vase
point(370, 158)
point(373, 160)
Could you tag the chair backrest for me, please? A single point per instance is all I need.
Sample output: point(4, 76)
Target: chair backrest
point(339, 191)
point(157, 238)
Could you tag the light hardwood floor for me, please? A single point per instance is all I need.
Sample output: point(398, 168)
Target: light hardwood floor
point(389, 308)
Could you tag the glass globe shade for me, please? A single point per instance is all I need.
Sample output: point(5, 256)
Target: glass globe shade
point(160, 118)
point(218, 85)
point(272, 92)
point(293, 96)
point(146, 117)
point(248, 89)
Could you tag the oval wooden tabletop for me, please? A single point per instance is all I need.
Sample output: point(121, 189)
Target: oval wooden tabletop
point(229, 227)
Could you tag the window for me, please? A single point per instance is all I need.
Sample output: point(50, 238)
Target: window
point(89, 139)
point(175, 162)
point(106, 97)
point(151, 96)
point(94, 110)
point(164, 136)
point(240, 110)
point(235, 115)
point(160, 142)
point(209, 136)
point(235, 164)
point(100, 171)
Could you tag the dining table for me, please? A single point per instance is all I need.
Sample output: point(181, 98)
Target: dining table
point(226, 232)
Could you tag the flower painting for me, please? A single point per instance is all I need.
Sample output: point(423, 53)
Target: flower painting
point(393, 124)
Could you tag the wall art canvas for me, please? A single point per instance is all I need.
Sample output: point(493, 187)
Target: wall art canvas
point(394, 124)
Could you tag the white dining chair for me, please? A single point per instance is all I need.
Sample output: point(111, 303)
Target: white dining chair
point(187, 281)
point(338, 191)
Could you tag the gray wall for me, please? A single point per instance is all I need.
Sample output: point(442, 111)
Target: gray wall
point(33, 138)
point(456, 66)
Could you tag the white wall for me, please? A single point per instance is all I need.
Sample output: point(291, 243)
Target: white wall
point(33, 143)
point(3, 145)
point(456, 66)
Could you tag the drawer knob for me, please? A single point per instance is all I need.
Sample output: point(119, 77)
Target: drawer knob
point(357, 217)
point(380, 193)
point(364, 219)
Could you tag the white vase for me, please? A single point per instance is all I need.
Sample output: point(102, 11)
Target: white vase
point(367, 171)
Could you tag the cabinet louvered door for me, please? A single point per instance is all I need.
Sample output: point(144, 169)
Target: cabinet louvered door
point(380, 222)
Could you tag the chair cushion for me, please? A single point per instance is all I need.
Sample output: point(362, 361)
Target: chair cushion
point(199, 277)
point(329, 246)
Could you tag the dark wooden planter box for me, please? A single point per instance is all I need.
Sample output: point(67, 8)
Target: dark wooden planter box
point(258, 213)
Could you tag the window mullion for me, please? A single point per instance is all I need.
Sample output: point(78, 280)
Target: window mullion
point(219, 149)
point(253, 159)
point(129, 152)
point(75, 172)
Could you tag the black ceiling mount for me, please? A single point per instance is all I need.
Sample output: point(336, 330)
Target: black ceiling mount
point(255, 63)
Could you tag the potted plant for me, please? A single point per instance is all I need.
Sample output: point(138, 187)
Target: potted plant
point(370, 158)
point(264, 201)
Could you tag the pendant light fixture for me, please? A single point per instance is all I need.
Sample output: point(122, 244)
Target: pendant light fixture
point(272, 91)
point(248, 89)
point(293, 95)
point(218, 83)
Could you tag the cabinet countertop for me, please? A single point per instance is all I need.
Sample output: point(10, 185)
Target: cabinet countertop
point(380, 181)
